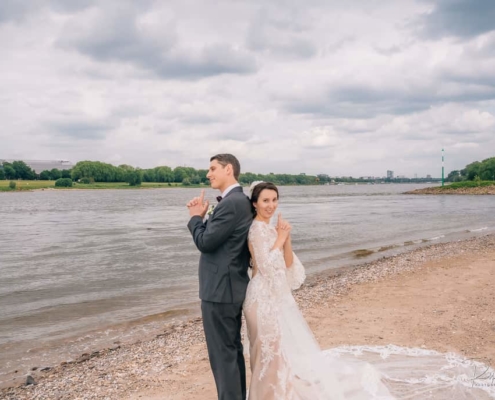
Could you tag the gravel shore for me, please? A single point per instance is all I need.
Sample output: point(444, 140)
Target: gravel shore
point(128, 371)
point(480, 190)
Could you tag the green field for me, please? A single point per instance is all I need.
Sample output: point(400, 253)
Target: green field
point(32, 185)
point(26, 185)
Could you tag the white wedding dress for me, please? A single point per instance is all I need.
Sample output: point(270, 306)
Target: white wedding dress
point(288, 364)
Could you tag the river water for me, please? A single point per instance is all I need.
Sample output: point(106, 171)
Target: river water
point(85, 269)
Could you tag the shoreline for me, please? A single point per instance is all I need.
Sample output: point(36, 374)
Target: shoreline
point(154, 367)
point(478, 190)
point(154, 185)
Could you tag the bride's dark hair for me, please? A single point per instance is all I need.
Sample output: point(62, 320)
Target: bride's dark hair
point(257, 191)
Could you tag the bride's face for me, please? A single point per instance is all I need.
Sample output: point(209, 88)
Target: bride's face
point(267, 203)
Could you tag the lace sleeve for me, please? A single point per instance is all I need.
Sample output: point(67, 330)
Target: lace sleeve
point(296, 275)
point(261, 240)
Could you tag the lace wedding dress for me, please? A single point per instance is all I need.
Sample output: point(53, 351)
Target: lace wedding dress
point(288, 364)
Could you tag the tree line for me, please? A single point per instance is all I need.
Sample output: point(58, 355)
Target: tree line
point(484, 170)
point(102, 172)
point(96, 171)
point(20, 170)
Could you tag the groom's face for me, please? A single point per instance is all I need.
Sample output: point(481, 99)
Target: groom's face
point(218, 174)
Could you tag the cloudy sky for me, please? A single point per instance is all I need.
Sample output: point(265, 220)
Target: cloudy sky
point(351, 87)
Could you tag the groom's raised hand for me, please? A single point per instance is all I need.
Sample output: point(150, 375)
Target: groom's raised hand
point(198, 206)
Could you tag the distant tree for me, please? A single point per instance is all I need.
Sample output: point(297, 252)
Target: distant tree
point(116, 174)
point(202, 175)
point(23, 171)
point(45, 175)
point(286, 179)
point(55, 174)
point(186, 182)
point(100, 172)
point(195, 180)
point(63, 182)
point(487, 169)
point(126, 167)
point(452, 176)
point(149, 175)
point(472, 170)
point(164, 174)
point(66, 173)
point(9, 171)
point(180, 173)
point(301, 179)
point(12, 185)
point(2, 174)
point(484, 171)
point(134, 177)
point(247, 178)
point(323, 178)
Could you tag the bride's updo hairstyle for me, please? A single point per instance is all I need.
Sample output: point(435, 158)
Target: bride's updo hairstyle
point(257, 191)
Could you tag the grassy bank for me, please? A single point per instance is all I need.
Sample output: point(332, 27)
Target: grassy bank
point(26, 185)
point(38, 185)
point(466, 187)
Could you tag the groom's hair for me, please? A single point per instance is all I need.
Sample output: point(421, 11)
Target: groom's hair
point(224, 159)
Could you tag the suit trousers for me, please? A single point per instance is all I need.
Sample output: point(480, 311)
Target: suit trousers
point(222, 327)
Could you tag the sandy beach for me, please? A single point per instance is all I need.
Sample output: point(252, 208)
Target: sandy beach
point(438, 297)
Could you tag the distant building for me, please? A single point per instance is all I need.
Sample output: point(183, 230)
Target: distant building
point(42, 165)
point(428, 176)
point(390, 174)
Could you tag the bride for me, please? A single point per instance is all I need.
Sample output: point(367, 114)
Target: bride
point(286, 361)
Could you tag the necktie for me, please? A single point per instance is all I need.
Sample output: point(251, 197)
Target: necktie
point(219, 198)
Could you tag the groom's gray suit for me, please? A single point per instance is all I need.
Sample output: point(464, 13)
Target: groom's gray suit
point(223, 280)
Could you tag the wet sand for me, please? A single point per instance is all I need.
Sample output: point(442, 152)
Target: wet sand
point(439, 297)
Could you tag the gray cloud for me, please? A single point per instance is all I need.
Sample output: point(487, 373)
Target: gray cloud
point(115, 35)
point(201, 119)
point(65, 6)
point(234, 134)
point(280, 34)
point(17, 10)
point(359, 101)
point(461, 18)
point(476, 65)
point(14, 9)
point(80, 129)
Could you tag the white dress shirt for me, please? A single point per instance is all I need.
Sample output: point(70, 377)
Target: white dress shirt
point(227, 191)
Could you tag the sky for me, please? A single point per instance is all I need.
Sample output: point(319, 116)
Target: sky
point(344, 88)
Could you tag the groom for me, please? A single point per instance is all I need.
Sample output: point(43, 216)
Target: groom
point(223, 278)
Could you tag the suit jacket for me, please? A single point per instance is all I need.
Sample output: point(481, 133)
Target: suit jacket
point(222, 241)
